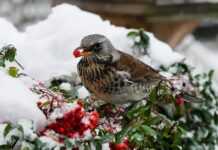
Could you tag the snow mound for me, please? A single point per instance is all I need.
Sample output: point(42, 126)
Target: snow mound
point(17, 101)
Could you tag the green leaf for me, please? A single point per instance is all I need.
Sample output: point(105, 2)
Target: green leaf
point(141, 111)
point(132, 34)
point(25, 148)
point(107, 138)
point(13, 71)
point(98, 145)
point(10, 53)
point(2, 61)
point(72, 94)
point(7, 129)
point(14, 140)
point(148, 130)
point(67, 143)
point(144, 39)
point(153, 95)
point(210, 75)
point(5, 147)
point(19, 127)
point(152, 121)
point(39, 144)
point(120, 135)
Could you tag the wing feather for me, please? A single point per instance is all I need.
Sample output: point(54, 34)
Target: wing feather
point(139, 71)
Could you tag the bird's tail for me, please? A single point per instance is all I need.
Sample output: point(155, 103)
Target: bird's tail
point(191, 98)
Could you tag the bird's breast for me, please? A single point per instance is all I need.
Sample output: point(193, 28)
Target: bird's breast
point(95, 73)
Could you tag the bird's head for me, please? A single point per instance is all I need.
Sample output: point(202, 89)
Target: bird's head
point(95, 44)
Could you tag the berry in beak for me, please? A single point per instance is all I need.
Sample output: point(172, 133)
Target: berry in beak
point(78, 52)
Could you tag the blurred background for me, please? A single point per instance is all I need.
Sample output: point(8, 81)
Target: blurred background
point(188, 26)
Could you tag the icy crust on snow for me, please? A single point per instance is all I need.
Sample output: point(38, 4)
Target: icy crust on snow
point(45, 50)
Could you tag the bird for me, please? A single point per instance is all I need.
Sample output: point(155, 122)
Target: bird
point(115, 76)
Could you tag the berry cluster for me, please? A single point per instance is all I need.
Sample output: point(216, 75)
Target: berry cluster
point(72, 125)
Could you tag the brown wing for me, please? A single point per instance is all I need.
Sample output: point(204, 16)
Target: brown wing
point(140, 72)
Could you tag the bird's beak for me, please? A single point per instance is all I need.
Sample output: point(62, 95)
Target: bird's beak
point(79, 51)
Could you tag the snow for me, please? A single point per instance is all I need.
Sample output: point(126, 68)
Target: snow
point(199, 55)
point(50, 143)
point(65, 86)
point(28, 128)
point(2, 139)
point(82, 92)
point(161, 53)
point(17, 101)
point(45, 50)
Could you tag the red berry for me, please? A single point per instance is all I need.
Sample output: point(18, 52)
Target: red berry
point(61, 130)
point(95, 113)
point(180, 101)
point(121, 146)
point(42, 132)
point(112, 146)
point(78, 109)
point(39, 103)
point(61, 140)
point(76, 53)
point(80, 103)
point(69, 134)
point(125, 141)
point(110, 130)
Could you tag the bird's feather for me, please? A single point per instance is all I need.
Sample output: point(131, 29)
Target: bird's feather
point(139, 71)
point(191, 98)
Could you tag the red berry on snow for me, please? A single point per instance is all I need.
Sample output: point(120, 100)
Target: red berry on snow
point(76, 53)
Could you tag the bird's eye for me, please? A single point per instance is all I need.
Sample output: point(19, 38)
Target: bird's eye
point(96, 46)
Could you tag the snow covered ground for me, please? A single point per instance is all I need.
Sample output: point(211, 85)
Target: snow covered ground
point(45, 51)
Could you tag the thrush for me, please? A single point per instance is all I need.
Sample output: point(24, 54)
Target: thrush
point(114, 76)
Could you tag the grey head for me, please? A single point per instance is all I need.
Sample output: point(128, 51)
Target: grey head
point(99, 44)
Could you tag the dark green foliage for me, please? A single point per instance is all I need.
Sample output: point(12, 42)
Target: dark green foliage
point(199, 120)
point(7, 53)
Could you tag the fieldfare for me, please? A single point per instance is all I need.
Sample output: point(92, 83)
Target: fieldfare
point(114, 76)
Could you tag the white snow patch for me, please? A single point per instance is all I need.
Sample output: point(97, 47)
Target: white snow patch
point(50, 143)
point(161, 53)
point(65, 86)
point(199, 55)
point(2, 139)
point(17, 101)
point(28, 128)
point(83, 92)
